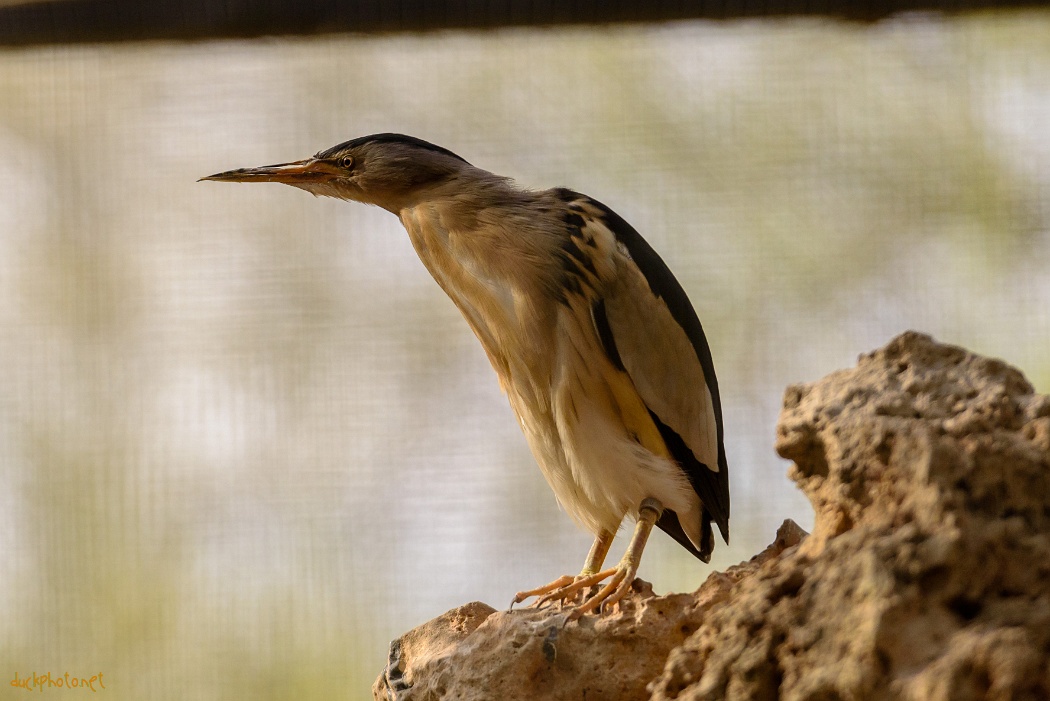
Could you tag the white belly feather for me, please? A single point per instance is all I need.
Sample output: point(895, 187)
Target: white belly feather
point(596, 465)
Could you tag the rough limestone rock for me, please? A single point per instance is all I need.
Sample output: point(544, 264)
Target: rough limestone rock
point(477, 652)
point(927, 575)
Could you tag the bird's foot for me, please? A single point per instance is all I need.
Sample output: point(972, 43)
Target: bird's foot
point(620, 579)
point(568, 590)
point(557, 585)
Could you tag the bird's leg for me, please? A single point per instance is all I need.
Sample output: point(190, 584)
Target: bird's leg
point(571, 587)
point(595, 558)
point(622, 576)
point(596, 555)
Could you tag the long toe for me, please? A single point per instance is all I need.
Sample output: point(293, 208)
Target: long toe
point(556, 585)
point(572, 590)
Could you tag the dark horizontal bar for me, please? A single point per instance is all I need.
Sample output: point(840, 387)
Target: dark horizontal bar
point(75, 21)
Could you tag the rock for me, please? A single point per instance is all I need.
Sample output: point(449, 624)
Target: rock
point(927, 575)
point(928, 572)
point(476, 652)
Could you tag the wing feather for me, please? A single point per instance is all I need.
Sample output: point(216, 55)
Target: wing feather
point(649, 328)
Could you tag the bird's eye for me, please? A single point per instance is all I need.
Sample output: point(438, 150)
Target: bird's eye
point(347, 162)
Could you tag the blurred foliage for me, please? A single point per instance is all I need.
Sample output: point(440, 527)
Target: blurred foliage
point(245, 441)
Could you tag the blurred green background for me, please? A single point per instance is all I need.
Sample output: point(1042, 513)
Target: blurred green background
point(244, 438)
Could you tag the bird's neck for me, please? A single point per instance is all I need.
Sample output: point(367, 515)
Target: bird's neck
point(486, 254)
point(466, 188)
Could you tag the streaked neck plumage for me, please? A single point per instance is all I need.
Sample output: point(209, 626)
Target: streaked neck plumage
point(486, 250)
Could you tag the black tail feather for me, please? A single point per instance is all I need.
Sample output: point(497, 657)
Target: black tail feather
point(670, 525)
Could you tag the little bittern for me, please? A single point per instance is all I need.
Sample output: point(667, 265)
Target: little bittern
point(593, 339)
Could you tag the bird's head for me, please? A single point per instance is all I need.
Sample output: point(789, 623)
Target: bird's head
point(392, 171)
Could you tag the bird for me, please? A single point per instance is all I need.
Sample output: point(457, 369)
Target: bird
point(594, 342)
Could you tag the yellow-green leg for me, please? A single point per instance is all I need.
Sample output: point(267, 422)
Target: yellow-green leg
point(620, 577)
point(595, 558)
point(596, 555)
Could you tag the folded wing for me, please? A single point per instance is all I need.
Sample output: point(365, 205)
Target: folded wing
point(649, 328)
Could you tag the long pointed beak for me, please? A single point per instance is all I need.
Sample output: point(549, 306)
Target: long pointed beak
point(312, 170)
